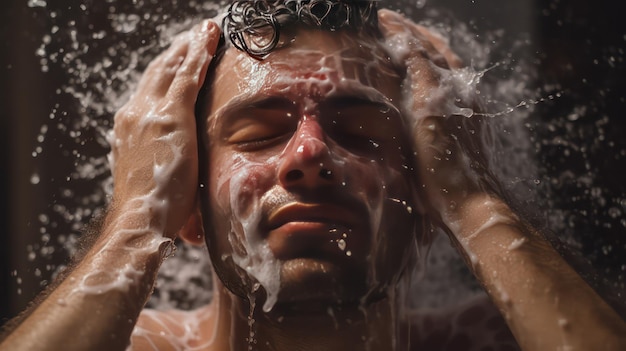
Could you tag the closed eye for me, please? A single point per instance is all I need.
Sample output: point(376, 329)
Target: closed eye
point(358, 142)
point(259, 128)
point(363, 125)
point(253, 138)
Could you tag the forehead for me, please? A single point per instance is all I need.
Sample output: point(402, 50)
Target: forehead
point(310, 66)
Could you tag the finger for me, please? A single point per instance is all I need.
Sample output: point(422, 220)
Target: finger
point(160, 73)
point(403, 42)
point(191, 74)
point(441, 46)
point(415, 40)
point(389, 21)
point(391, 25)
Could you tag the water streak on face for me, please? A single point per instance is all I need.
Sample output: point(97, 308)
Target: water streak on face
point(308, 174)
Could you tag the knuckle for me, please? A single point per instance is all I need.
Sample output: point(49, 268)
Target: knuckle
point(124, 114)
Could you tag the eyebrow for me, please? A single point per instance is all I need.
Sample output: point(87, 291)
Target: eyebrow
point(243, 102)
point(271, 102)
point(348, 101)
point(342, 98)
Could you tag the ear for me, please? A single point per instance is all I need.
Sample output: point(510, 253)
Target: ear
point(193, 231)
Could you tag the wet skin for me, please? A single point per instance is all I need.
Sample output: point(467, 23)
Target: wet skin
point(308, 171)
point(280, 181)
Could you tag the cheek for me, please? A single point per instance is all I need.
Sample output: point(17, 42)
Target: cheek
point(239, 184)
point(399, 202)
point(380, 183)
point(394, 242)
point(385, 187)
point(368, 179)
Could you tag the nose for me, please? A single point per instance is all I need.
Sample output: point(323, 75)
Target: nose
point(307, 160)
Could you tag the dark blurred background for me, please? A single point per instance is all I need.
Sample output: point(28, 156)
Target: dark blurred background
point(577, 44)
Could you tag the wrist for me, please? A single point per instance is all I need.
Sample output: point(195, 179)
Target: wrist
point(142, 217)
point(467, 216)
point(121, 265)
point(488, 233)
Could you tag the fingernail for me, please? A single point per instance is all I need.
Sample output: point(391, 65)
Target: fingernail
point(390, 16)
point(207, 26)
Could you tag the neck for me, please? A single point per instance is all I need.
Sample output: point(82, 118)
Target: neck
point(372, 327)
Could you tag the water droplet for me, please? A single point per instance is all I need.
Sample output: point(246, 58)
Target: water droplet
point(37, 3)
point(614, 212)
point(341, 244)
point(126, 23)
point(34, 179)
point(466, 112)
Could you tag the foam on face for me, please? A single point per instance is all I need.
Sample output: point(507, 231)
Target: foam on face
point(307, 75)
point(251, 253)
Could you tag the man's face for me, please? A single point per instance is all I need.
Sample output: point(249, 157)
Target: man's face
point(308, 180)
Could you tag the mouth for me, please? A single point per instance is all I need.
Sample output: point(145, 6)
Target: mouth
point(294, 214)
point(303, 230)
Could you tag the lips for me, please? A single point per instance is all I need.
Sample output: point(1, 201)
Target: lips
point(298, 230)
point(313, 213)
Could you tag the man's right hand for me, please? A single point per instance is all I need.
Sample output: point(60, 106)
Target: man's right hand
point(155, 171)
point(154, 145)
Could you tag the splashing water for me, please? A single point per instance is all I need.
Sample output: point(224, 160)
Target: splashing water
point(102, 49)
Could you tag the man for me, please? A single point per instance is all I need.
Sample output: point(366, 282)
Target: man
point(322, 154)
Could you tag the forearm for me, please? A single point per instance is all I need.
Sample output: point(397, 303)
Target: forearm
point(547, 305)
point(155, 171)
point(97, 304)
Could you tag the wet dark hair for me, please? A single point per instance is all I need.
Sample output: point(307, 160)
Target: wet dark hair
point(254, 26)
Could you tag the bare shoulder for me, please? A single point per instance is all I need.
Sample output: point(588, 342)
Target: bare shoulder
point(475, 324)
point(172, 330)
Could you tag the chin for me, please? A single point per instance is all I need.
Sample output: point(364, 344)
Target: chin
point(308, 283)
